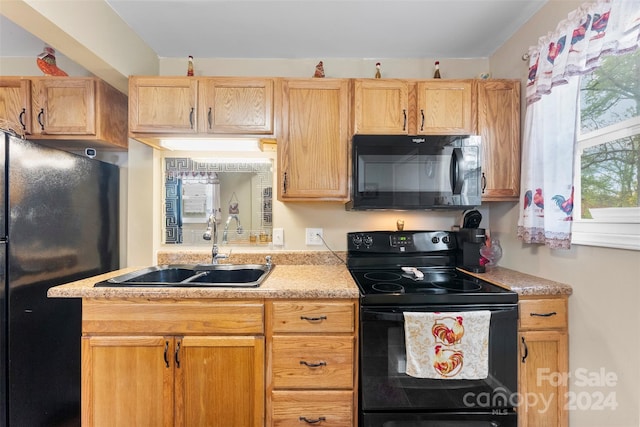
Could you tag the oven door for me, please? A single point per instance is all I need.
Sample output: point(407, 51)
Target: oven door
point(386, 388)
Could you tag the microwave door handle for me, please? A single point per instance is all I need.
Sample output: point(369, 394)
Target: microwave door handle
point(455, 171)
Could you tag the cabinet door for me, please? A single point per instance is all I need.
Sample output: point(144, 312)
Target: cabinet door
point(15, 105)
point(544, 364)
point(163, 105)
point(314, 141)
point(127, 381)
point(499, 126)
point(237, 105)
point(220, 381)
point(381, 106)
point(64, 106)
point(445, 107)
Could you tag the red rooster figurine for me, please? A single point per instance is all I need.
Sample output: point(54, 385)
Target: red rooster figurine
point(319, 70)
point(47, 63)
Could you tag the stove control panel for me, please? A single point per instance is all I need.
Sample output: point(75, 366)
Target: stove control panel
point(400, 241)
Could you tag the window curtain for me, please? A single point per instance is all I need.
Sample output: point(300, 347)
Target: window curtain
point(576, 47)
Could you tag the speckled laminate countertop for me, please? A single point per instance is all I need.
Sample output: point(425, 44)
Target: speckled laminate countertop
point(524, 284)
point(303, 274)
point(285, 281)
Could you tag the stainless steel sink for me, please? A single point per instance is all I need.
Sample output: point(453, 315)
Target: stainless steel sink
point(198, 275)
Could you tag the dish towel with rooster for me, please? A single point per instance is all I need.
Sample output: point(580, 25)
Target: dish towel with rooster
point(451, 345)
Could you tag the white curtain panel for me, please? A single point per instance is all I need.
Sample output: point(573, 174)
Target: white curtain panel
point(576, 47)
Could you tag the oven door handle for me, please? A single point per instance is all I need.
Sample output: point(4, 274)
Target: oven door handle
point(395, 316)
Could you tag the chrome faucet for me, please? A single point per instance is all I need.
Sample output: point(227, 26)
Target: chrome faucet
point(212, 231)
point(225, 233)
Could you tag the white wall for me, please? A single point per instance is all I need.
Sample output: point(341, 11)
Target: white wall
point(604, 309)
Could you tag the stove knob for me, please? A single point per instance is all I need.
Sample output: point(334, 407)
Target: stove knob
point(357, 240)
point(435, 240)
point(445, 239)
point(368, 240)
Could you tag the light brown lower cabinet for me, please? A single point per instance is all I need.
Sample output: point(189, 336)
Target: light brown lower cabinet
point(311, 363)
point(205, 367)
point(219, 363)
point(544, 362)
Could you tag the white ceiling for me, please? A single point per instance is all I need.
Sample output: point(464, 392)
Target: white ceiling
point(310, 28)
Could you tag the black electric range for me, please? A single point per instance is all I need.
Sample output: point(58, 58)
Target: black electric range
point(416, 271)
point(416, 267)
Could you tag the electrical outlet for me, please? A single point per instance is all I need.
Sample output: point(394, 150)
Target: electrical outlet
point(313, 236)
point(278, 237)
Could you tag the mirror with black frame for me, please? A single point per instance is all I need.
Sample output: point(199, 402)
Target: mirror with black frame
point(237, 193)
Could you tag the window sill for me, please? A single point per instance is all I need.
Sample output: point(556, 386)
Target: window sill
point(605, 234)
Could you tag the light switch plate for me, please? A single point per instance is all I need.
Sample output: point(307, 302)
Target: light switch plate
point(278, 237)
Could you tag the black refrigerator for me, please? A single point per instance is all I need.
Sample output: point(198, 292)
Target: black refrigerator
point(58, 223)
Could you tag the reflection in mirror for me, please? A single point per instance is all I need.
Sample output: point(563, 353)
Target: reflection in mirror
point(237, 192)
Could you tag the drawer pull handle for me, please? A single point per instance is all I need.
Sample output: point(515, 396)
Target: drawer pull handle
point(313, 365)
point(553, 313)
point(177, 355)
point(21, 118)
point(309, 421)
point(40, 116)
point(526, 350)
point(313, 319)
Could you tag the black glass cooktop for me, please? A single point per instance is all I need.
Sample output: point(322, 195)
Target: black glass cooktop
point(425, 286)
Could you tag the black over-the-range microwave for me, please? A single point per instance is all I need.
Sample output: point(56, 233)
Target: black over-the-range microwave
point(416, 172)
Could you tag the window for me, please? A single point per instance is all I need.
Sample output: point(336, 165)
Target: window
point(607, 201)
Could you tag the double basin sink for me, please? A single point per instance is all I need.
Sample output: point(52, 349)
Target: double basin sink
point(194, 275)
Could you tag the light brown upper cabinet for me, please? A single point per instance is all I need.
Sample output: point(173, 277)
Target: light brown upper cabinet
point(445, 107)
point(381, 106)
point(413, 107)
point(163, 105)
point(190, 106)
point(15, 105)
point(236, 105)
point(313, 140)
point(499, 127)
point(64, 109)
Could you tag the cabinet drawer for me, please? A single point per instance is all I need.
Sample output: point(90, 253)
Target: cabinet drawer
point(543, 313)
point(299, 408)
point(313, 317)
point(313, 362)
point(172, 317)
